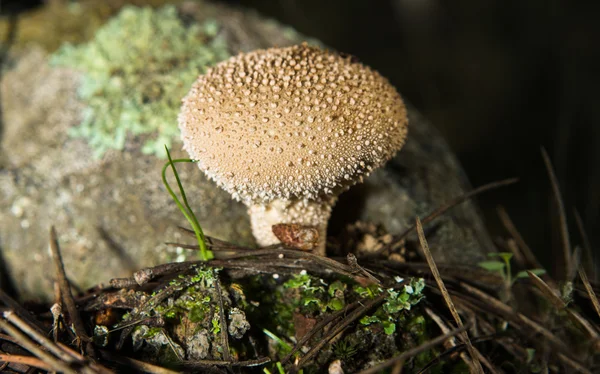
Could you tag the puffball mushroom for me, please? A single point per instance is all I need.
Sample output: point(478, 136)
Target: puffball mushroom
point(286, 130)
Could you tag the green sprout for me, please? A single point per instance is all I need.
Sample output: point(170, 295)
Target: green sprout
point(216, 326)
point(311, 295)
point(502, 266)
point(396, 301)
point(285, 347)
point(205, 254)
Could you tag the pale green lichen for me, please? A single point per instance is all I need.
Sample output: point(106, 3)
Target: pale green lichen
point(135, 71)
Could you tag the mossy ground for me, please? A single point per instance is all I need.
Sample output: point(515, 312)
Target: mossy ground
point(268, 314)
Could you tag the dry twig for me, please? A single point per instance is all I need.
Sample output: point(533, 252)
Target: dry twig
point(23, 341)
point(140, 366)
point(26, 360)
point(223, 321)
point(446, 295)
point(415, 351)
point(318, 327)
point(456, 201)
point(526, 251)
point(353, 316)
point(564, 231)
point(65, 288)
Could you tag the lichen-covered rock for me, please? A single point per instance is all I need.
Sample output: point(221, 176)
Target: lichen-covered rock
point(134, 73)
point(111, 211)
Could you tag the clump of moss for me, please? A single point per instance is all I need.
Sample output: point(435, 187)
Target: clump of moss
point(395, 302)
point(286, 308)
point(135, 71)
point(186, 324)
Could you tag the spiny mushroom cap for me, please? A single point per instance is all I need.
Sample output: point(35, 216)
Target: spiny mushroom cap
point(291, 122)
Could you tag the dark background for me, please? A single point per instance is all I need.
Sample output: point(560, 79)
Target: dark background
point(499, 78)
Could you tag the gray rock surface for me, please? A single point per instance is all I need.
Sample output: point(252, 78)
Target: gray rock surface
point(114, 215)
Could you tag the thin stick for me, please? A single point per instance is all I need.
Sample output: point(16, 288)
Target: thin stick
point(318, 327)
point(517, 253)
point(232, 364)
point(56, 311)
point(57, 365)
point(458, 200)
point(516, 235)
point(442, 287)
point(564, 230)
point(553, 296)
point(92, 366)
point(587, 246)
point(222, 320)
point(26, 360)
point(339, 327)
point(8, 338)
point(334, 265)
point(590, 290)
point(35, 335)
point(550, 293)
point(451, 343)
point(574, 364)
point(65, 288)
point(135, 364)
point(397, 369)
point(415, 351)
point(17, 308)
point(516, 318)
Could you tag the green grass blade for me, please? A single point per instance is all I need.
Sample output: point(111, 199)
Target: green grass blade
point(205, 254)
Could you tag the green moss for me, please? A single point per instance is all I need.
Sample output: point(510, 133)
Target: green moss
point(151, 332)
point(396, 301)
point(313, 296)
point(135, 71)
point(216, 325)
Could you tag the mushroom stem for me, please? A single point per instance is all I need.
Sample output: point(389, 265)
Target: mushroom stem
point(302, 212)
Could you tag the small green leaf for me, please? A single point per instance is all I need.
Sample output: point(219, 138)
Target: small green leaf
point(216, 326)
point(309, 299)
point(336, 304)
point(367, 320)
point(418, 285)
point(505, 256)
point(389, 327)
point(492, 265)
point(336, 286)
point(370, 291)
point(298, 281)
